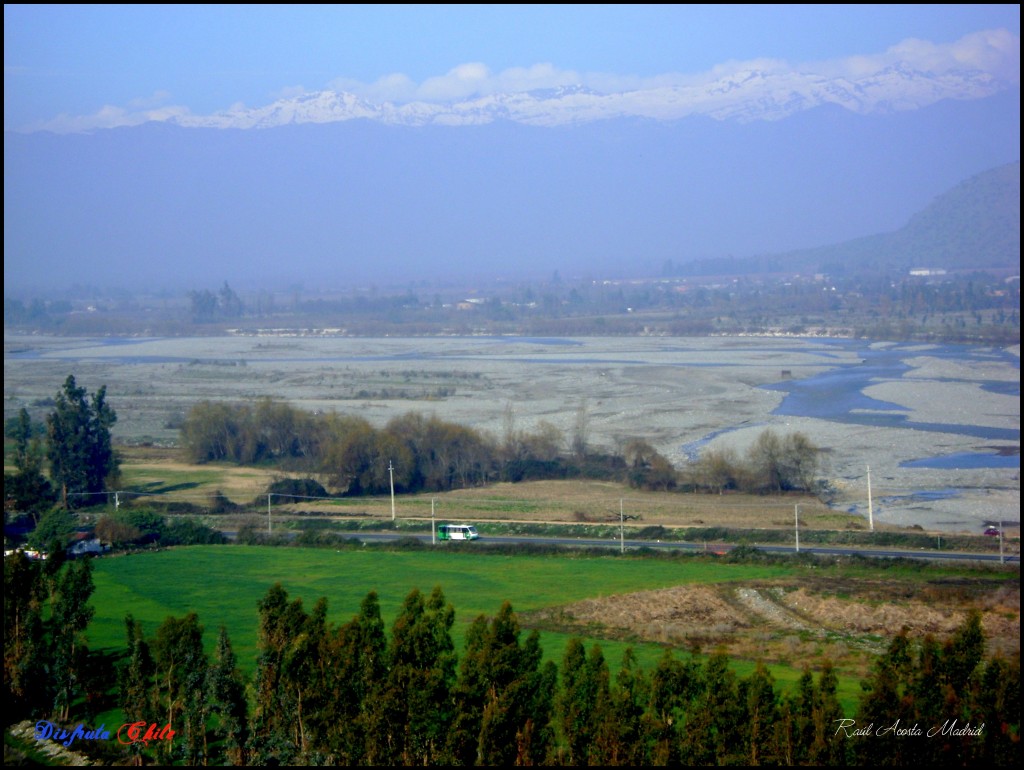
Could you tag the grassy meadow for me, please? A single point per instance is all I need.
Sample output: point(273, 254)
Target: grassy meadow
point(223, 584)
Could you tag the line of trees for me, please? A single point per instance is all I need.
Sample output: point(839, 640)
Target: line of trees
point(46, 658)
point(355, 694)
point(352, 457)
point(420, 453)
point(352, 694)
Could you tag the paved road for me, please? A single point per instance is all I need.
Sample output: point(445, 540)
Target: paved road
point(719, 548)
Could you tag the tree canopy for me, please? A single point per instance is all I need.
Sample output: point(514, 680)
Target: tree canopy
point(80, 452)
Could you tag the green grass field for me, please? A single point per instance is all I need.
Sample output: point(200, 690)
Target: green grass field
point(223, 584)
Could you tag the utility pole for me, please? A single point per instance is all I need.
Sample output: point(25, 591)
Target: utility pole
point(622, 537)
point(391, 475)
point(871, 513)
point(796, 517)
point(270, 529)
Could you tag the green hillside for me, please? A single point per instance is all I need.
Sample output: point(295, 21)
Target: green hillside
point(975, 225)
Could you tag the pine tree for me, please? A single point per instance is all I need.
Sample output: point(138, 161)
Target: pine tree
point(414, 710)
point(305, 680)
point(79, 448)
point(26, 648)
point(358, 651)
point(626, 735)
point(180, 666)
point(584, 703)
point(27, 489)
point(135, 683)
point(711, 732)
point(502, 696)
point(796, 722)
point(274, 732)
point(673, 685)
point(470, 696)
point(886, 702)
point(759, 704)
point(827, 748)
point(226, 701)
point(71, 613)
point(997, 706)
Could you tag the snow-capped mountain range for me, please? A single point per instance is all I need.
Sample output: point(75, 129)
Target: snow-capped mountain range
point(745, 96)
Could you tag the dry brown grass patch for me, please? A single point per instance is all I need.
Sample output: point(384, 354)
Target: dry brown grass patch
point(784, 620)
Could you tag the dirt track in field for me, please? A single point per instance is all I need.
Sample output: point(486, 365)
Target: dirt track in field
point(788, 621)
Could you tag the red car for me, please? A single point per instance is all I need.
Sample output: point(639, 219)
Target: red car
point(993, 532)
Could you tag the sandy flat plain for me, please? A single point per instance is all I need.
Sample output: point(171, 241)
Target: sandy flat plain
point(677, 393)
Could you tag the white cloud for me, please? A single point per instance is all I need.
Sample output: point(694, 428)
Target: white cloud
point(395, 87)
point(156, 99)
point(109, 116)
point(461, 82)
point(531, 78)
point(996, 52)
point(289, 92)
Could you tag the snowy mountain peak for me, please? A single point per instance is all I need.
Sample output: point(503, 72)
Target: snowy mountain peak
point(745, 95)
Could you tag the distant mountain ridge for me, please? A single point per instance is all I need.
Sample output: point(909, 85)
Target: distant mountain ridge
point(975, 225)
point(358, 202)
point(746, 95)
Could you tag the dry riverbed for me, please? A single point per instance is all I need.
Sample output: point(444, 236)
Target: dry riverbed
point(675, 393)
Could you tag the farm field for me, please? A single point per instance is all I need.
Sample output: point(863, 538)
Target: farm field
point(588, 507)
point(681, 395)
point(159, 472)
point(774, 613)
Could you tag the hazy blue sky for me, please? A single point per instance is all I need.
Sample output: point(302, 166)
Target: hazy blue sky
point(65, 62)
point(713, 131)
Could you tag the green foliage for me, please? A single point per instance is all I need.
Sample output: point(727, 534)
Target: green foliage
point(413, 711)
point(179, 675)
point(144, 526)
point(348, 694)
point(54, 530)
point(226, 701)
point(946, 688)
point(71, 612)
point(135, 679)
point(150, 523)
point(79, 447)
point(184, 531)
point(47, 607)
point(298, 489)
point(25, 646)
point(359, 648)
point(27, 489)
point(625, 735)
point(503, 697)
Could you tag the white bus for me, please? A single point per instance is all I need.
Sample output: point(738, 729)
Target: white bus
point(457, 532)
